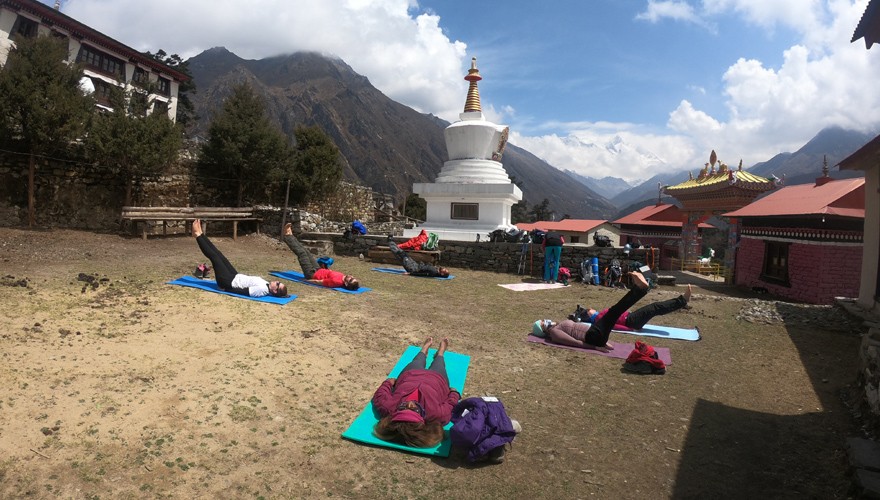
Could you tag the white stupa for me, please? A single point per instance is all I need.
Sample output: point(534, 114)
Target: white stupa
point(473, 194)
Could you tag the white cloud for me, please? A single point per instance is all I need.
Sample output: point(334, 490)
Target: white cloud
point(405, 54)
point(659, 10)
point(823, 80)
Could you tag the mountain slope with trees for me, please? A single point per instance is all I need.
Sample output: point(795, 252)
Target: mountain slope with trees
point(383, 144)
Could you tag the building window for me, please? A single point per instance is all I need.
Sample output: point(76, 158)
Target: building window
point(164, 86)
point(141, 77)
point(575, 239)
point(775, 262)
point(160, 107)
point(102, 91)
point(465, 211)
point(101, 62)
point(24, 27)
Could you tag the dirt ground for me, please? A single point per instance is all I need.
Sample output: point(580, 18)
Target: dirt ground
point(116, 385)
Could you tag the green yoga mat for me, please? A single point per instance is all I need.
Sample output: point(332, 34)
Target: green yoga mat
point(361, 430)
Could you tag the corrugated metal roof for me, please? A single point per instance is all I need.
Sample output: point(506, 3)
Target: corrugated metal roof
point(570, 225)
point(845, 197)
point(665, 214)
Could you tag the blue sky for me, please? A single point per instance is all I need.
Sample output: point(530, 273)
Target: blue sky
point(627, 88)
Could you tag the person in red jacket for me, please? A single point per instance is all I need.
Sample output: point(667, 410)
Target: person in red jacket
point(416, 405)
point(315, 273)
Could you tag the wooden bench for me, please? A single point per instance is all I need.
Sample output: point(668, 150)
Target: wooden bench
point(383, 254)
point(188, 214)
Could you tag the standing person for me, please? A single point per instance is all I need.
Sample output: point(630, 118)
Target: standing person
point(416, 268)
point(417, 404)
point(552, 246)
point(594, 336)
point(313, 272)
point(230, 280)
point(635, 320)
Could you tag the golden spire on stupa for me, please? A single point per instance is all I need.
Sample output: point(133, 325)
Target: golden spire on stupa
point(473, 96)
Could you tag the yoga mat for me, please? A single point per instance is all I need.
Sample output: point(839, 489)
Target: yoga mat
point(361, 430)
point(620, 351)
point(211, 286)
point(392, 270)
point(666, 332)
point(299, 278)
point(527, 287)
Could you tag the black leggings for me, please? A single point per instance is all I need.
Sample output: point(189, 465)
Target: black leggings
point(437, 365)
point(599, 331)
point(307, 261)
point(410, 264)
point(639, 318)
point(223, 270)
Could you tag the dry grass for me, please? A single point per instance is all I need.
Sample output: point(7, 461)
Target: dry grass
point(138, 389)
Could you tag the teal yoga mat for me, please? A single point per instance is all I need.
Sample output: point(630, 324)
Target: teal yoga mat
point(361, 430)
point(666, 332)
point(394, 270)
point(211, 286)
point(299, 278)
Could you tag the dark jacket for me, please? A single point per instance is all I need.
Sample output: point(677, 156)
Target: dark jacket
point(480, 426)
point(553, 239)
point(435, 395)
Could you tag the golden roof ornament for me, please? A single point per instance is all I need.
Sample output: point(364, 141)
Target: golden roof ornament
point(740, 165)
point(472, 104)
point(713, 158)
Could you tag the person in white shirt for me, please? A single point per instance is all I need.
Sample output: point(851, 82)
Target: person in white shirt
point(231, 280)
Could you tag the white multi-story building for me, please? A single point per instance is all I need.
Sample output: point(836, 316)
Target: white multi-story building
point(106, 62)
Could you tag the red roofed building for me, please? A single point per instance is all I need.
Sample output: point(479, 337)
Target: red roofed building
point(658, 226)
point(576, 230)
point(804, 242)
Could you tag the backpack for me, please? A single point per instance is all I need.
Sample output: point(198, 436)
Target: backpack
point(358, 227)
point(537, 236)
point(613, 274)
point(601, 240)
point(586, 271)
point(433, 241)
point(564, 275)
point(553, 239)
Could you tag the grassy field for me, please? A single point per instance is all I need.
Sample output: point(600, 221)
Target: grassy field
point(116, 385)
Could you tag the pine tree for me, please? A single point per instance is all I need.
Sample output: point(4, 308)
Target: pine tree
point(42, 109)
point(244, 147)
point(131, 142)
point(318, 170)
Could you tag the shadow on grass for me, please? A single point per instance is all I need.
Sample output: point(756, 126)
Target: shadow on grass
point(737, 453)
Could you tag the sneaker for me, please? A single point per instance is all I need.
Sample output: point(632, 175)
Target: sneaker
point(516, 427)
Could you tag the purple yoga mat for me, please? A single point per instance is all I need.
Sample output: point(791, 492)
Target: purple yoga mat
point(620, 351)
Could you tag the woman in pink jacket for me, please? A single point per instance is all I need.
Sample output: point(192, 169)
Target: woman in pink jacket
point(415, 406)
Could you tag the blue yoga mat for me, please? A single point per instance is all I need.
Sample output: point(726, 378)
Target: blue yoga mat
point(361, 430)
point(394, 270)
point(666, 332)
point(211, 286)
point(299, 278)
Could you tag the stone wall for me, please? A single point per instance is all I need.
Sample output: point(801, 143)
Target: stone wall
point(83, 196)
point(817, 272)
point(486, 256)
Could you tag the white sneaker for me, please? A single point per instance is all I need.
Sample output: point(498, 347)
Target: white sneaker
point(516, 427)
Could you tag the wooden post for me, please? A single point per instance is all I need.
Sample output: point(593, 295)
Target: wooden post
point(284, 211)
